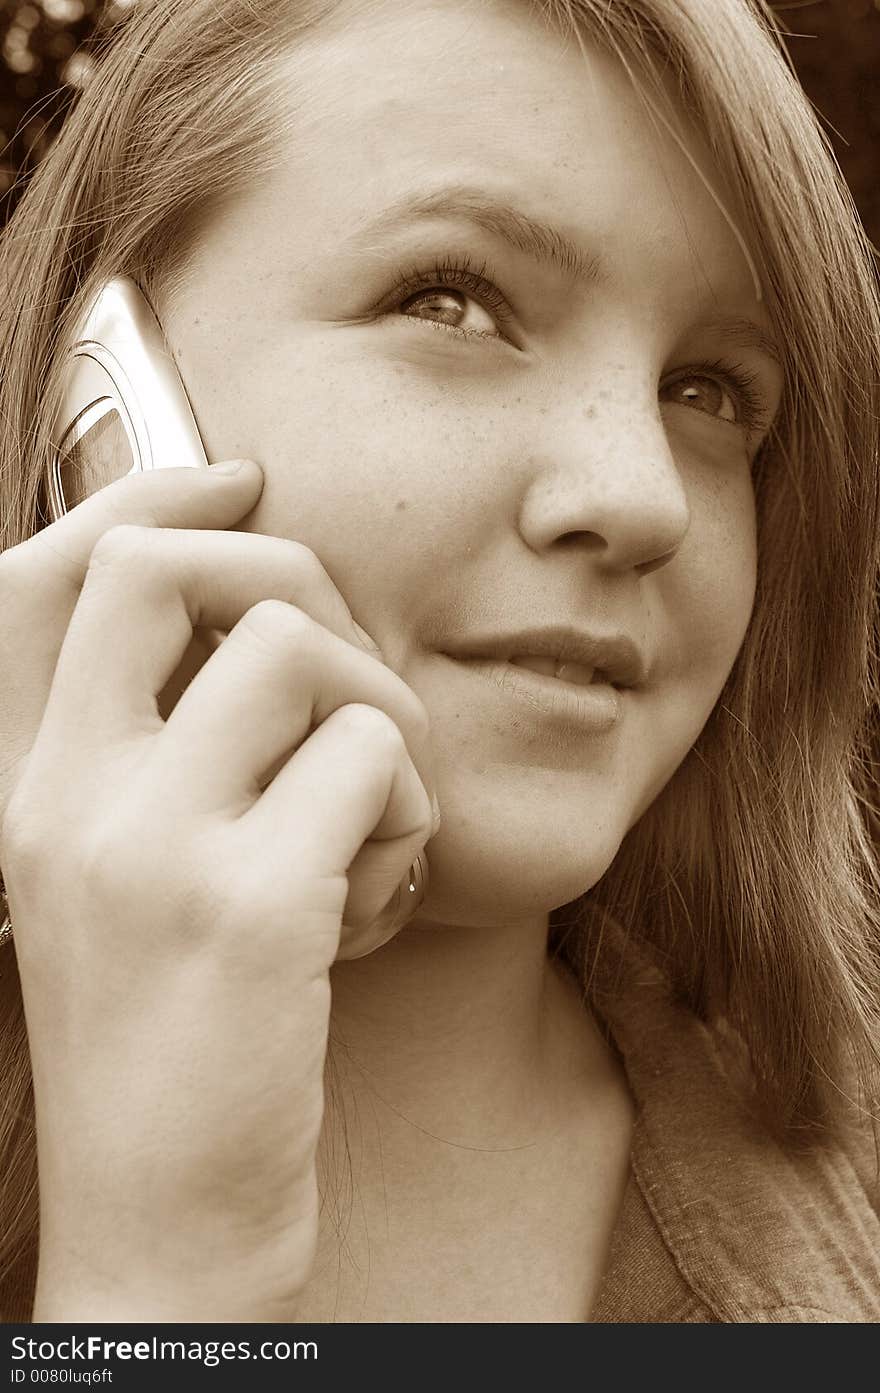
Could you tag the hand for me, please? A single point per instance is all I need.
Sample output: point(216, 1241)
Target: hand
point(178, 886)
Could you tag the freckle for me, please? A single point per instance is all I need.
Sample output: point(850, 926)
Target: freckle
point(589, 413)
point(400, 505)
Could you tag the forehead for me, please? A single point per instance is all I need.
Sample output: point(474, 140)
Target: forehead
point(402, 98)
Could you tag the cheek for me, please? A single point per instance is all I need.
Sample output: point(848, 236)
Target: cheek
point(734, 544)
point(718, 575)
point(704, 603)
point(366, 463)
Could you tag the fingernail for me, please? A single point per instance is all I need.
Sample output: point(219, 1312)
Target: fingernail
point(367, 642)
point(437, 818)
point(230, 466)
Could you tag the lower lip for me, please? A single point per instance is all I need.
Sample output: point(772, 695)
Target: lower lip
point(595, 708)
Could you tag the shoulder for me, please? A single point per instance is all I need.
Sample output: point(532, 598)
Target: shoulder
point(731, 1225)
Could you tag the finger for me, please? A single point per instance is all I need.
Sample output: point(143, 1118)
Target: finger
point(276, 676)
point(56, 558)
point(352, 779)
point(149, 588)
point(41, 578)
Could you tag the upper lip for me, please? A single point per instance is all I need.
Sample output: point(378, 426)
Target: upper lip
point(615, 656)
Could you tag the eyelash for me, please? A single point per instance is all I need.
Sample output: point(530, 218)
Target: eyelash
point(750, 402)
point(463, 274)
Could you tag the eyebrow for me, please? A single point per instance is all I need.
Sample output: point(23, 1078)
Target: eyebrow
point(543, 243)
point(538, 240)
point(745, 333)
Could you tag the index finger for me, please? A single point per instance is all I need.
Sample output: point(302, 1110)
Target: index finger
point(51, 565)
point(41, 578)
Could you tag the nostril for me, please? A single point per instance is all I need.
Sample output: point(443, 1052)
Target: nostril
point(645, 568)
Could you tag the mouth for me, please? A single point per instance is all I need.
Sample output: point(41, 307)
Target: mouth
point(577, 699)
point(575, 679)
point(562, 653)
point(579, 674)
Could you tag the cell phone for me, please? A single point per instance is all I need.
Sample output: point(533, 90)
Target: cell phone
point(124, 407)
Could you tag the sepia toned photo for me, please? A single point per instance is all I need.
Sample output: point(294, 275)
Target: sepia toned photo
point(439, 537)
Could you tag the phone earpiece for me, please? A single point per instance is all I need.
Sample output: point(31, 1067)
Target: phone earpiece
point(124, 407)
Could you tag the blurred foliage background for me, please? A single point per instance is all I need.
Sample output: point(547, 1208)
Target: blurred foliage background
point(45, 60)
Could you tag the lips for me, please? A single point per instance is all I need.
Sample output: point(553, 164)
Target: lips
point(578, 673)
point(538, 703)
point(573, 656)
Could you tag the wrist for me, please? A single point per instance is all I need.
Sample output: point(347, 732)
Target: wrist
point(258, 1285)
point(68, 1299)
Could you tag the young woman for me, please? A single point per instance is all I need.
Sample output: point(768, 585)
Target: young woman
point(552, 340)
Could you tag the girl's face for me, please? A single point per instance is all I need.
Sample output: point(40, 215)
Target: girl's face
point(482, 425)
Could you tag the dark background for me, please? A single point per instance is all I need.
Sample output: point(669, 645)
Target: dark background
point(45, 60)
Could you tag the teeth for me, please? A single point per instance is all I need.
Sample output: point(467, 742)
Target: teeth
point(578, 673)
point(547, 666)
point(575, 672)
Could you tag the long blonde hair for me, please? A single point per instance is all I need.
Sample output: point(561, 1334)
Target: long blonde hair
point(752, 874)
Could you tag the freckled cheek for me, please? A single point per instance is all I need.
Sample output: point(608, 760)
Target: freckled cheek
point(721, 577)
point(381, 487)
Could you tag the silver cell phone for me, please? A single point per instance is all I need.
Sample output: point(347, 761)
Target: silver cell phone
point(125, 409)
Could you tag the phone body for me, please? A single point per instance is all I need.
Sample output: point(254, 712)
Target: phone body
point(125, 409)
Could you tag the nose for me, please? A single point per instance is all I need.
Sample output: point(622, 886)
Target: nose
point(613, 488)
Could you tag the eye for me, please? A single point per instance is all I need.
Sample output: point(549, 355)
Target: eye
point(449, 308)
point(702, 393)
point(452, 296)
point(724, 391)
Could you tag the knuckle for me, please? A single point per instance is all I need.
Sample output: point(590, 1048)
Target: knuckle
point(126, 495)
point(26, 567)
point(21, 578)
point(426, 822)
point(26, 834)
point(97, 861)
point(21, 838)
point(372, 726)
point(306, 562)
point(14, 566)
point(273, 622)
point(118, 544)
point(114, 861)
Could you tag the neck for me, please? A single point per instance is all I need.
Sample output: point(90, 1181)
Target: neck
point(472, 1106)
point(456, 1030)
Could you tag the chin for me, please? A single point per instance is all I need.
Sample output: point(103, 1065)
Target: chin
point(478, 881)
